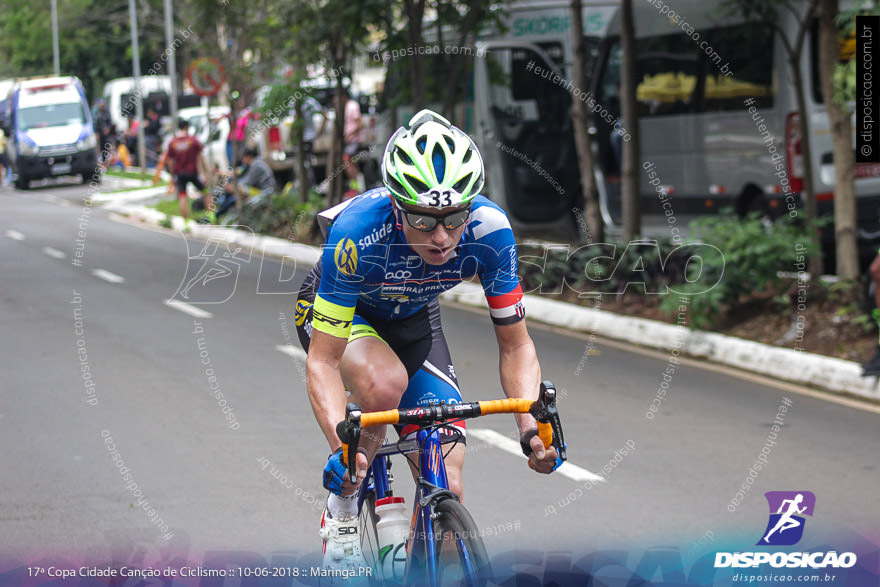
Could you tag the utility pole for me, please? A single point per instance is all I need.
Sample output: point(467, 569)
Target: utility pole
point(139, 97)
point(56, 57)
point(172, 60)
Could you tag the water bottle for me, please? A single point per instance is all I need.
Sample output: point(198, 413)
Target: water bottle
point(392, 530)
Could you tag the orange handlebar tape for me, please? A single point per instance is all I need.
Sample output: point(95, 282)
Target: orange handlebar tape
point(505, 406)
point(545, 433)
point(380, 418)
point(345, 454)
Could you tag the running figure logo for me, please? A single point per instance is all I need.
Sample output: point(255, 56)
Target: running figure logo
point(786, 525)
point(212, 274)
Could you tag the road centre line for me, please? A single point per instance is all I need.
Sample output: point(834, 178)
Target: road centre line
point(292, 350)
point(510, 445)
point(188, 309)
point(54, 253)
point(15, 235)
point(107, 276)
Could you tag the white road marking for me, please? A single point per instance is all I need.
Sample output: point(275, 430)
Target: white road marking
point(512, 446)
point(107, 276)
point(188, 309)
point(54, 253)
point(15, 235)
point(292, 350)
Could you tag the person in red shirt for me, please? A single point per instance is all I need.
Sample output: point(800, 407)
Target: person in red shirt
point(184, 160)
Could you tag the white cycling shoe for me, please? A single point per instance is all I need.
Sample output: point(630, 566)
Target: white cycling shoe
point(342, 544)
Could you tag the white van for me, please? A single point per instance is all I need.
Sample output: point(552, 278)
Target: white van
point(51, 131)
point(717, 112)
point(119, 94)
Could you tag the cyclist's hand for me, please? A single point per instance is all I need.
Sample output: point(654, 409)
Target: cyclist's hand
point(542, 460)
point(336, 473)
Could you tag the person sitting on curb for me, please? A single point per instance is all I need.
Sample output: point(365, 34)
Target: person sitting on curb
point(872, 365)
point(256, 182)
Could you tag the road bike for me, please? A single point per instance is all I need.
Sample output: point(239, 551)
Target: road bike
point(444, 545)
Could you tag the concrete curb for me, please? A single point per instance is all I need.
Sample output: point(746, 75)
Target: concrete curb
point(799, 367)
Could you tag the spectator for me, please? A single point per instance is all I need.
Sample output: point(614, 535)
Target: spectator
point(152, 140)
point(351, 138)
point(239, 133)
point(104, 130)
point(3, 162)
point(184, 160)
point(231, 146)
point(872, 366)
point(257, 181)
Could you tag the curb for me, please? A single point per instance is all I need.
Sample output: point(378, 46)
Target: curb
point(837, 375)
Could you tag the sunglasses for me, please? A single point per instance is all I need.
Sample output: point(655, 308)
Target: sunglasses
point(428, 222)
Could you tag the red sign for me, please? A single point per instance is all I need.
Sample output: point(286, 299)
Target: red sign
point(206, 75)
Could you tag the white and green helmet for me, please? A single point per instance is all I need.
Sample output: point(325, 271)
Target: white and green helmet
point(432, 163)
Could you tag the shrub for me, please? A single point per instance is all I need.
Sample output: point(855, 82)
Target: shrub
point(753, 252)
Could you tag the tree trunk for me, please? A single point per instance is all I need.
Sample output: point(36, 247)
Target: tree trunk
point(846, 252)
point(632, 214)
point(335, 172)
point(581, 121)
point(808, 194)
point(457, 62)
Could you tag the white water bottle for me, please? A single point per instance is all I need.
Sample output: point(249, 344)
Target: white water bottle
point(393, 531)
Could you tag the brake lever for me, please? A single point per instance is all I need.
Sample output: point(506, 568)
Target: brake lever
point(349, 432)
point(545, 411)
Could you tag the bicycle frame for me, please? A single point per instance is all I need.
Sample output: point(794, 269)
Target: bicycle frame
point(432, 483)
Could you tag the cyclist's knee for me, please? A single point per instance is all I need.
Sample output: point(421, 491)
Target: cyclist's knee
point(377, 386)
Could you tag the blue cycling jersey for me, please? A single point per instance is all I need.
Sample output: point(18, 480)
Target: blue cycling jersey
point(367, 265)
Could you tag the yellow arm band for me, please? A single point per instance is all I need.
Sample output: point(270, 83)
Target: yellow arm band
point(331, 318)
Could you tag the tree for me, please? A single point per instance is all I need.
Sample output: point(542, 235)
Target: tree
point(581, 121)
point(846, 251)
point(94, 39)
point(632, 217)
point(767, 13)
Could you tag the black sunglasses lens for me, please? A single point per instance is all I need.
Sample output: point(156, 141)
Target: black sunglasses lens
point(456, 219)
point(421, 221)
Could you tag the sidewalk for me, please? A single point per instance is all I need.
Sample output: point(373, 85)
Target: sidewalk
point(808, 369)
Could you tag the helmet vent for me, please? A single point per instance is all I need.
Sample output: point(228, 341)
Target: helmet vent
point(439, 162)
point(462, 183)
point(404, 157)
point(449, 142)
point(421, 144)
point(417, 184)
point(467, 156)
point(395, 186)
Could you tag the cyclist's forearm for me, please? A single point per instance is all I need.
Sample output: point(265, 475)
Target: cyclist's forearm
point(327, 396)
point(521, 377)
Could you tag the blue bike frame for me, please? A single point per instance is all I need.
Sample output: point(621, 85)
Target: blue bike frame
point(432, 478)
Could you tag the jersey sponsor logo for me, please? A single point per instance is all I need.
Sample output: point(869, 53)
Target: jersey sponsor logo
point(399, 274)
point(346, 257)
point(302, 310)
point(375, 236)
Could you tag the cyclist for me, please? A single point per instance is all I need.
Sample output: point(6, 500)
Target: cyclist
point(368, 313)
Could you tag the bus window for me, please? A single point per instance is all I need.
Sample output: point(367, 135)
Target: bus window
point(748, 48)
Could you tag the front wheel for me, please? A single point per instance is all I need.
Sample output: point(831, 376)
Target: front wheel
point(461, 555)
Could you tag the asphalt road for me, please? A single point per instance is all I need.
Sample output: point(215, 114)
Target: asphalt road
point(83, 289)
